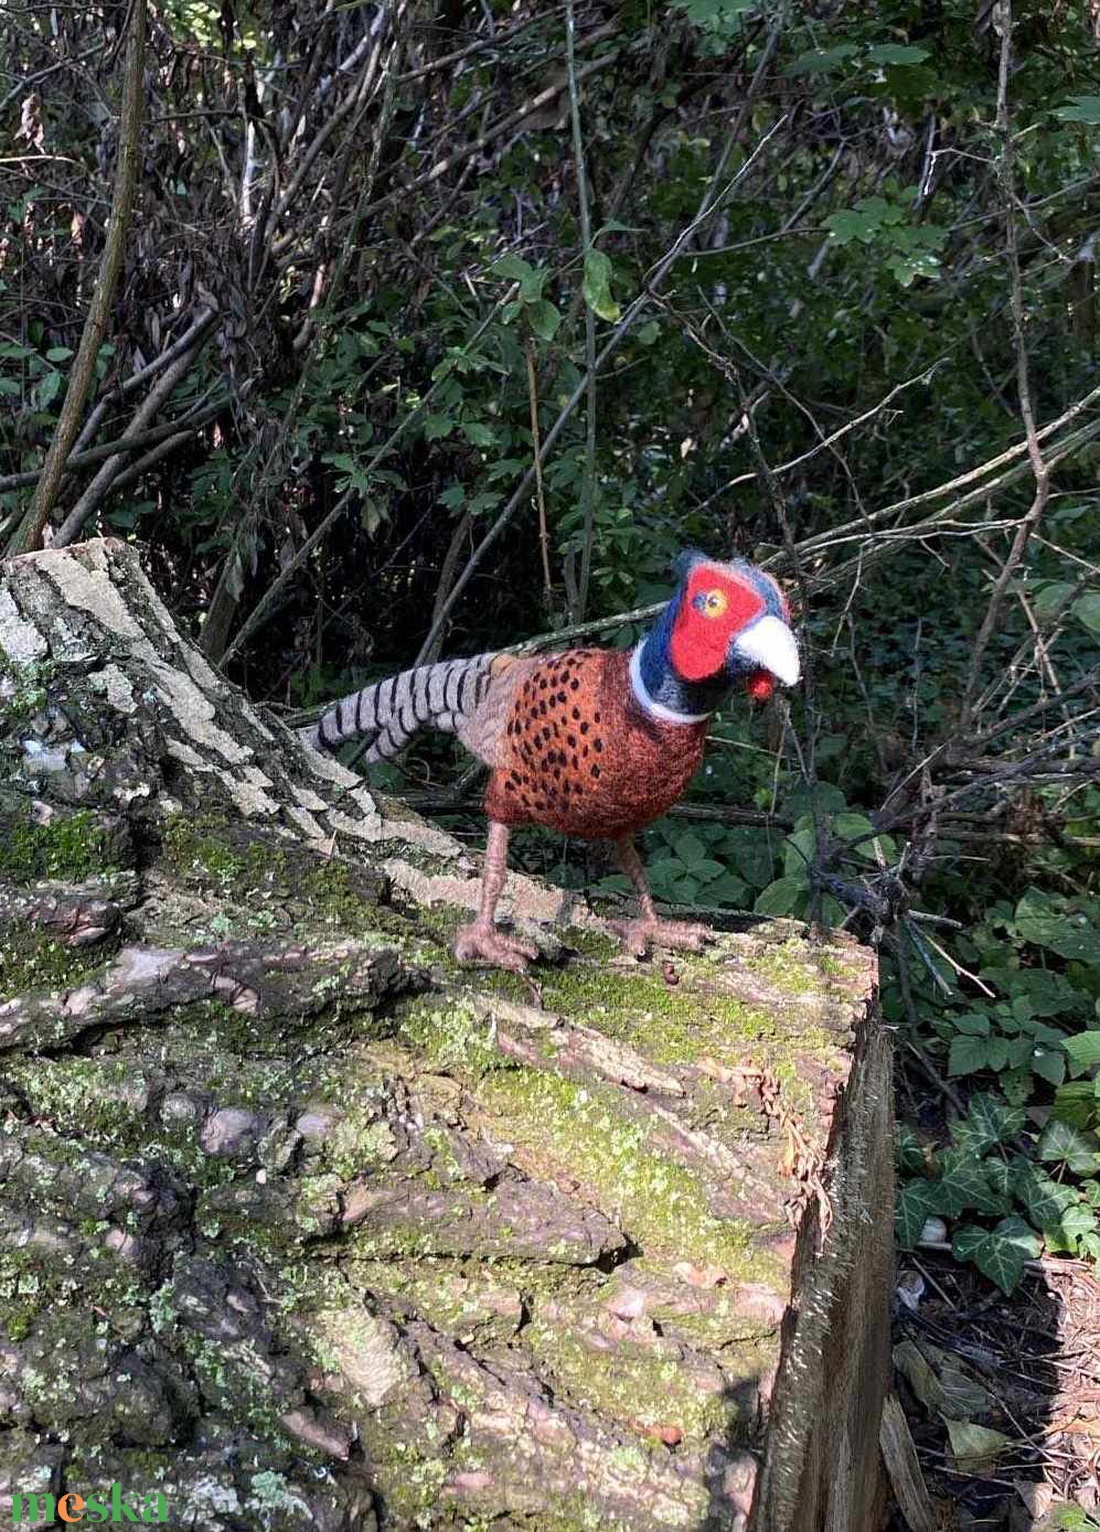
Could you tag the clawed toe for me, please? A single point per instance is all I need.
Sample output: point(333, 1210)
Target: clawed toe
point(641, 935)
point(485, 944)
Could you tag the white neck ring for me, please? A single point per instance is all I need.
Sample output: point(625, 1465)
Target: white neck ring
point(654, 709)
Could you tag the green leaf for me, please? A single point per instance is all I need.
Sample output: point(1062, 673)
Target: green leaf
point(973, 1023)
point(1040, 921)
point(453, 497)
point(1087, 610)
point(1041, 1197)
point(967, 1055)
point(58, 354)
point(916, 1204)
point(648, 334)
point(481, 435)
point(1049, 1064)
point(897, 53)
point(729, 890)
point(597, 286)
point(511, 268)
point(1080, 109)
point(1001, 1253)
point(785, 896)
point(1084, 1049)
point(798, 850)
point(1076, 1224)
point(1049, 598)
point(544, 319)
point(690, 849)
point(1061, 1141)
point(1075, 1103)
point(47, 391)
point(908, 1150)
point(437, 426)
point(988, 1121)
point(821, 60)
point(964, 1184)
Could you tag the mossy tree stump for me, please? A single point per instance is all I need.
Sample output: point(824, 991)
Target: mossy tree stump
point(304, 1226)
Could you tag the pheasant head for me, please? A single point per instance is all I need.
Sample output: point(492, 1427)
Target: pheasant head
point(727, 625)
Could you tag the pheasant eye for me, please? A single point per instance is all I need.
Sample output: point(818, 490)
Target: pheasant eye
point(712, 603)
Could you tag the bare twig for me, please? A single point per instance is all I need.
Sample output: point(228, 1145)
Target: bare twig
point(28, 534)
point(588, 484)
point(1002, 22)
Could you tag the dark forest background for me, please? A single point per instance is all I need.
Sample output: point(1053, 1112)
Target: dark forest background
point(416, 330)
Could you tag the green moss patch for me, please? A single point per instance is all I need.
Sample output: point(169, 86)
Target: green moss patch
point(72, 847)
point(32, 962)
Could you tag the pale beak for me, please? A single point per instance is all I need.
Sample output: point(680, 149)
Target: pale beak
point(770, 645)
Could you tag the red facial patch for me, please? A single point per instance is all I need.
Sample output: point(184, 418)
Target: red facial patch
point(761, 685)
point(701, 638)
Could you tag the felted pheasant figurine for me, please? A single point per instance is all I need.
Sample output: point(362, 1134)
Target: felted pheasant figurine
point(592, 742)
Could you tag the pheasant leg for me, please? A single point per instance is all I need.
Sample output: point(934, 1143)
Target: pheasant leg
point(648, 929)
point(482, 942)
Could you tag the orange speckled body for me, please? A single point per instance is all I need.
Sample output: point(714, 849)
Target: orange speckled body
point(579, 755)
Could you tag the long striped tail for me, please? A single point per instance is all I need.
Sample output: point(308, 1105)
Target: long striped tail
point(389, 713)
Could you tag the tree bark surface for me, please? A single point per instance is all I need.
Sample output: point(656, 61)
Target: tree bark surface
point(302, 1225)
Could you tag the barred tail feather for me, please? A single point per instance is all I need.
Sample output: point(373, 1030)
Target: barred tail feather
point(390, 712)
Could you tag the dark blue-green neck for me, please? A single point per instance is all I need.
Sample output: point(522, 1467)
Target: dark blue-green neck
point(659, 690)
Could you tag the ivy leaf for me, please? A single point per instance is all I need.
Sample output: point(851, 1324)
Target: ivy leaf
point(964, 1184)
point(597, 286)
point(988, 1121)
point(1061, 1141)
point(1041, 1198)
point(1084, 1049)
point(908, 1151)
point(1001, 1253)
point(916, 1204)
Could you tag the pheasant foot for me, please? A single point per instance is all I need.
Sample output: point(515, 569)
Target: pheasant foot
point(483, 943)
point(644, 932)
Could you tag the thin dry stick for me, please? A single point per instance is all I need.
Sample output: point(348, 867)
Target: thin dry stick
point(972, 476)
point(28, 534)
point(1002, 21)
point(544, 531)
point(204, 319)
point(588, 486)
point(196, 416)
